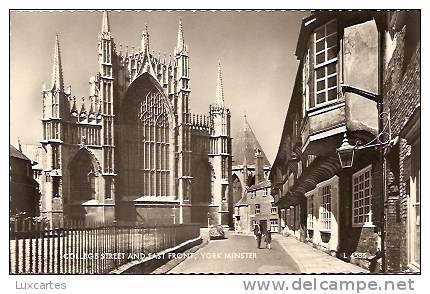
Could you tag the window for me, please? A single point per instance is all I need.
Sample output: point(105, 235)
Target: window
point(274, 208)
point(264, 192)
point(273, 225)
point(283, 217)
point(151, 149)
point(288, 217)
point(361, 197)
point(257, 208)
point(224, 192)
point(326, 207)
point(108, 188)
point(55, 187)
point(253, 194)
point(325, 64)
point(310, 223)
point(224, 168)
point(305, 83)
point(413, 188)
point(297, 217)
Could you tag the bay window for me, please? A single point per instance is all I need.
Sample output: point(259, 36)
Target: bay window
point(325, 64)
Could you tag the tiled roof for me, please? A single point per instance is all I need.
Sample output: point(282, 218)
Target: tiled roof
point(244, 145)
point(262, 184)
point(243, 201)
point(13, 152)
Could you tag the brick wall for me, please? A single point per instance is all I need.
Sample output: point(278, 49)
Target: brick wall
point(402, 81)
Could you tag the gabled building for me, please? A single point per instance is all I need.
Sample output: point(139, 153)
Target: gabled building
point(257, 205)
point(244, 169)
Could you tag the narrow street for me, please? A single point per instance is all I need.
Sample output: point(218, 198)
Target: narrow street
point(238, 254)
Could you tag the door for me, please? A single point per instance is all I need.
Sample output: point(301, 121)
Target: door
point(263, 225)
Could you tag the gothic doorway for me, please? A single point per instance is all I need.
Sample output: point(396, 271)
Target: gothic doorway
point(84, 181)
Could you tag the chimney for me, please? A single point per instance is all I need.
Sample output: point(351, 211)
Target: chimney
point(259, 168)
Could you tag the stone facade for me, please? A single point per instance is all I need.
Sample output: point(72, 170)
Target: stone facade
point(257, 204)
point(133, 151)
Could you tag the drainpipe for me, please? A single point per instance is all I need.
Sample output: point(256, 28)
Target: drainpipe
point(380, 105)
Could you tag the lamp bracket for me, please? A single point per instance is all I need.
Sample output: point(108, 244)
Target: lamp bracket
point(366, 94)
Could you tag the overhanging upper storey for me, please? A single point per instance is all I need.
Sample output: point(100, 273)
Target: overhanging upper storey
point(335, 49)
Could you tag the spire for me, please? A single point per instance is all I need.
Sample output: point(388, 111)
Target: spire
point(145, 40)
point(105, 22)
point(180, 46)
point(219, 87)
point(57, 70)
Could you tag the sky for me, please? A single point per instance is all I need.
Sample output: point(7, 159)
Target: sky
point(256, 50)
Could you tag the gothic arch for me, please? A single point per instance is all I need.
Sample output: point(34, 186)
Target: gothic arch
point(147, 82)
point(84, 176)
point(237, 189)
point(146, 140)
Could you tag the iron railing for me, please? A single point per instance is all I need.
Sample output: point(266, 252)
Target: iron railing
point(82, 248)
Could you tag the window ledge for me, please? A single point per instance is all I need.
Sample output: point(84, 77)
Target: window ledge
point(323, 107)
point(365, 225)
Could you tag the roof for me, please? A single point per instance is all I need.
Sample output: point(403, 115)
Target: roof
point(258, 186)
point(243, 201)
point(13, 152)
point(244, 144)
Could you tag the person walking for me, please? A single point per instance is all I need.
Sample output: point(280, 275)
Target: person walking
point(257, 233)
point(268, 238)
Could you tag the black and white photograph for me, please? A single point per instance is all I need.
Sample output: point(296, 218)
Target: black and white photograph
point(163, 142)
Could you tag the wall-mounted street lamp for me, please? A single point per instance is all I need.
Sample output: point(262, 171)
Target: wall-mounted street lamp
point(346, 151)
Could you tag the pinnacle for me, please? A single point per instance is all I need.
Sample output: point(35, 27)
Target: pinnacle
point(219, 87)
point(57, 70)
point(105, 22)
point(180, 45)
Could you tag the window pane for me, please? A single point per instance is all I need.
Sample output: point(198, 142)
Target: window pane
point(331, 28)
point(321, 98)
point(319, 45)
point(332, 95)
point(319, 33)
point(332, 81)
point(320, 58)
point(331, 53)
point(331, 68)
point(320, 73)
point(320, 85)
point(331, 41)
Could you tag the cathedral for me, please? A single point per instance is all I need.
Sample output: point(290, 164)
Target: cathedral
point(132, 151)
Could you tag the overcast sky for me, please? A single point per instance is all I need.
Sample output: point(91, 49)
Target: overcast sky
point(256, 50)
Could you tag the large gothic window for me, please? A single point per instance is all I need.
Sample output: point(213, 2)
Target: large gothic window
point(153, 147)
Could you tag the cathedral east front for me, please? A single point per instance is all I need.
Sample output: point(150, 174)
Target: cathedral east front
point(132, 151)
